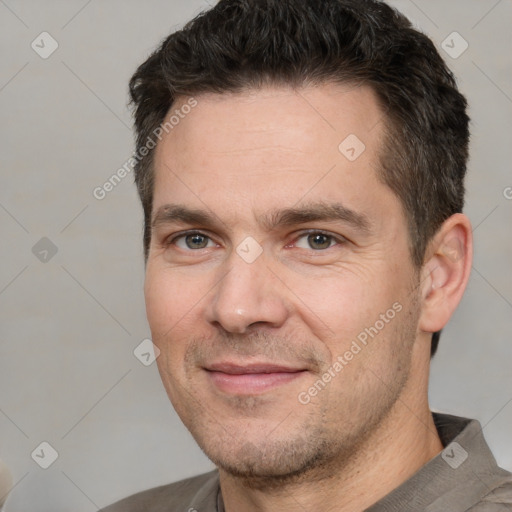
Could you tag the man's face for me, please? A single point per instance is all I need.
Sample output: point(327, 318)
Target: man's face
point(286, 311)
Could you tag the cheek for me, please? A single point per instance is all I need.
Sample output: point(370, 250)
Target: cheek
point(171, 302)
point(340, 302)
point(347, 307)
point(172, 306)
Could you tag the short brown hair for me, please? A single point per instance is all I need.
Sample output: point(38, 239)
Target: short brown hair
point(247, 44)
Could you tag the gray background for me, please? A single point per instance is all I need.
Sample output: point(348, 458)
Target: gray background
point(69, 325)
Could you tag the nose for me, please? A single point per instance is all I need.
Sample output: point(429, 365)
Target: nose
point(249, 294)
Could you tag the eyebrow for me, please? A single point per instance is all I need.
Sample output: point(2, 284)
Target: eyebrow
point(286, 217)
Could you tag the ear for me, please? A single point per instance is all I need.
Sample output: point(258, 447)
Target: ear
point(445, 272)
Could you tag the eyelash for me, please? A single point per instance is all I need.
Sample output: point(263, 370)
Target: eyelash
point(338, 239)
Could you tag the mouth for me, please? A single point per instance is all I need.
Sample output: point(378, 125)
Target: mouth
point(251, 379)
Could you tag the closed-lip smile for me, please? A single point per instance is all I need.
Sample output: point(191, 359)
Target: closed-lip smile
point(251, 378)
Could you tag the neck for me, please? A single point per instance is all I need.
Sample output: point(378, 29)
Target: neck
point(405, 441)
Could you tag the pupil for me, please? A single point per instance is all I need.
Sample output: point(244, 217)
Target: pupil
point(319, 241)
point(196, 241)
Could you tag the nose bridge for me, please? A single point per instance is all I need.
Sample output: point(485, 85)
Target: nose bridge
point(248, 293)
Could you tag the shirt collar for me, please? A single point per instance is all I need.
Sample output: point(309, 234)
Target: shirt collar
point(454, 480)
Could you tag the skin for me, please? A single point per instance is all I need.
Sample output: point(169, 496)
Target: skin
point(301, 303)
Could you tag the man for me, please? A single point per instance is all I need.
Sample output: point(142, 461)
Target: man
point(301, 165)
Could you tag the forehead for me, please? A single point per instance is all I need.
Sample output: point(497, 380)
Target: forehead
point(272, 146)
point(306, 119)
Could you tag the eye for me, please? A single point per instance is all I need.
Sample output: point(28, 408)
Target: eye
point(317, 241)
point(192, 241)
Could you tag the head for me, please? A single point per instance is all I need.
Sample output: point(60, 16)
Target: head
point(302, 209)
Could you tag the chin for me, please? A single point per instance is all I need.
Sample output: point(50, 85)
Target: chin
point(263, 464)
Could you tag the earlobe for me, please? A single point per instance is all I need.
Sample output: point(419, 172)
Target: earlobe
point(446, 272)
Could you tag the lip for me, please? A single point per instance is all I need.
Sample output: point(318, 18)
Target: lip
point(251, 379)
